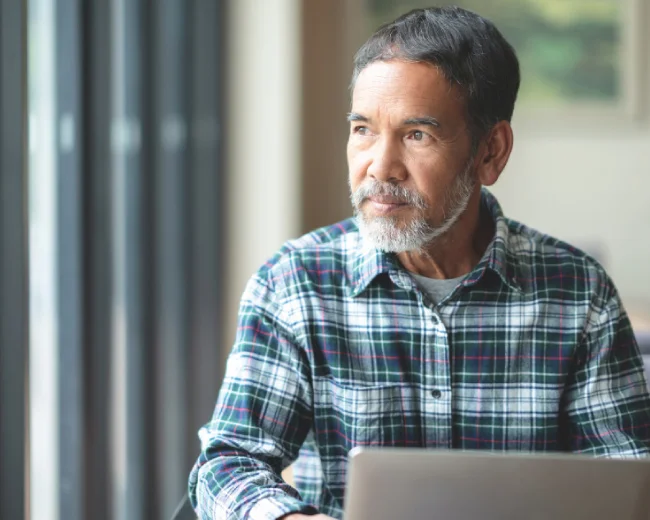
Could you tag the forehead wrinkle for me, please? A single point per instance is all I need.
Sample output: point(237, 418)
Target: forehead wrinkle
point(381, 74)
point(389, 93)
point(399, 112)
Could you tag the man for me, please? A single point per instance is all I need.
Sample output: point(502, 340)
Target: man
point(430, 320)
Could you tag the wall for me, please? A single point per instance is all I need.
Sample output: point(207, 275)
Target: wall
point(262, 135)
point(329, 40)
point(591, 189)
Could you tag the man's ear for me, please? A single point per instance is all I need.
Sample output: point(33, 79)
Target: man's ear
point(494, 153)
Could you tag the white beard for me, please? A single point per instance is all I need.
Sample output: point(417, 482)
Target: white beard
point(384, 233)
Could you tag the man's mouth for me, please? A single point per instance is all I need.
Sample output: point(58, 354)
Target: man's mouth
point(383, 204)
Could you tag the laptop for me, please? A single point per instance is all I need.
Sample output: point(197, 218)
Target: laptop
point(427, 484)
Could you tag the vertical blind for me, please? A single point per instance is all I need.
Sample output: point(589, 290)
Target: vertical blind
point(13, 260)
point(125, 191)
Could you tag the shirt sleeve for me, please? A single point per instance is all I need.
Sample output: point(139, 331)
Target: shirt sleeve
point(607, 401)
point(262, 416)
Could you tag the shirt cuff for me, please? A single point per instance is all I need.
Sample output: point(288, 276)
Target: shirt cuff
point(272, 508)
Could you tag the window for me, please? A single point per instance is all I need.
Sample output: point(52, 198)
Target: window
point(578, 54)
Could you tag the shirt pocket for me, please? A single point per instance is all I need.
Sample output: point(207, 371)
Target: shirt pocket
point(368, 415)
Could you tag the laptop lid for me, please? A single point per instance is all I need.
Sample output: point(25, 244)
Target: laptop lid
point(425, 484)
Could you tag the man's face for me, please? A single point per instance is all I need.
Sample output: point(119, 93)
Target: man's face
point(409, 155)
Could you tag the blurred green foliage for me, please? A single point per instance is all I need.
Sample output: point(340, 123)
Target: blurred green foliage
point(569, 50)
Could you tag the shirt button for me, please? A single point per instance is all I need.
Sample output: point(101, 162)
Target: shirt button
point(436, 394)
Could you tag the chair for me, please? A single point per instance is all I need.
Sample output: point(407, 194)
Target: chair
point(184, 510)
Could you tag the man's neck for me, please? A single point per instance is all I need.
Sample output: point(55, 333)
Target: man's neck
point(458, 251)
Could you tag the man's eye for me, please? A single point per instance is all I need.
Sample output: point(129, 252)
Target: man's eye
point(361, 130)
point(418, 135)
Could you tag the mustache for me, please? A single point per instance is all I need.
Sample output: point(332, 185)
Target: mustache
point(376, 188)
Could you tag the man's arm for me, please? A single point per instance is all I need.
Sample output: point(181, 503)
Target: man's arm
point(607, 401)
point(262, 416)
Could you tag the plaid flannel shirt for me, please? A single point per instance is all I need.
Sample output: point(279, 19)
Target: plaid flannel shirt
point(337, 347)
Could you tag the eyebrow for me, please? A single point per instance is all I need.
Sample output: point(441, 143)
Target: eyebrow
point(425, 120)
point(353, 116)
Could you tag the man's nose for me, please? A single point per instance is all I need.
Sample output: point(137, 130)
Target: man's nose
point(386, 162)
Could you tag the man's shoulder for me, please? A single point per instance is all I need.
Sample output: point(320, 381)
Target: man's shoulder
point(328, 249)
point(336, 237)
point(548, 260)
point(527, 240)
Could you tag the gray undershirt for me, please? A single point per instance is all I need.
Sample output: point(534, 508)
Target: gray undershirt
point(436, 289)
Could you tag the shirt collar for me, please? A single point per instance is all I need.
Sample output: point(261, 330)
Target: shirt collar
point(499, 257)
point(370, 262)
